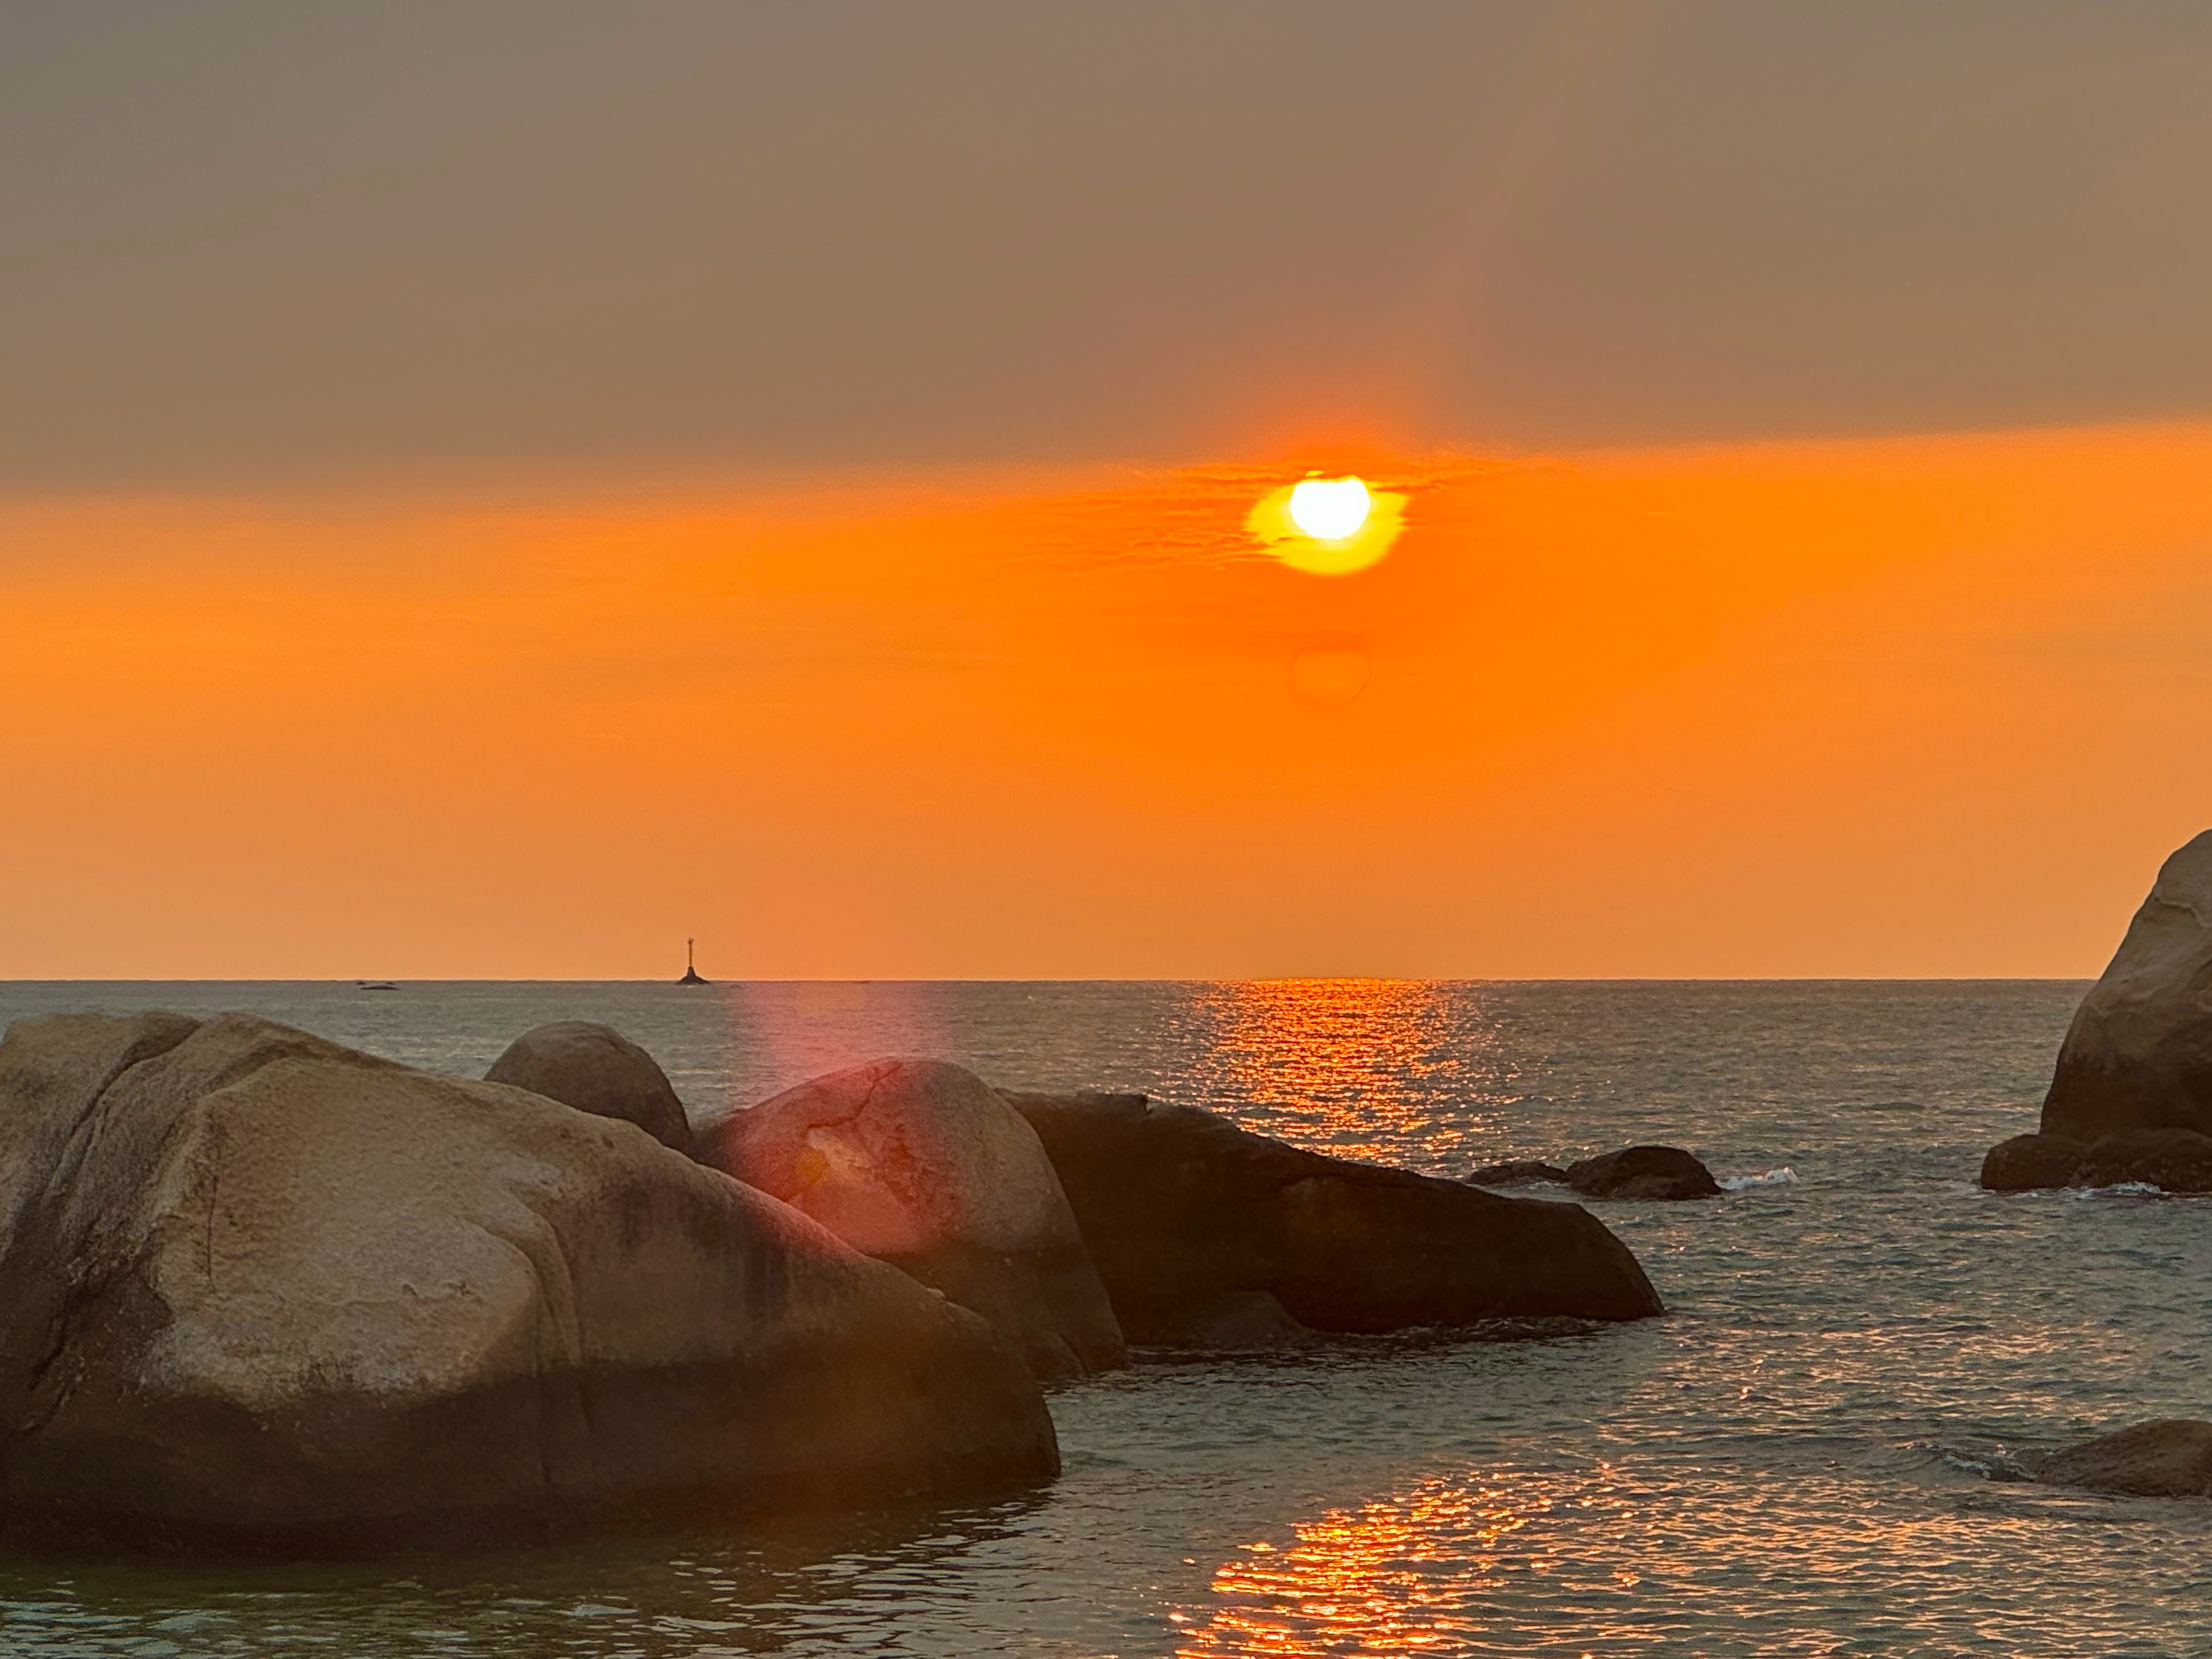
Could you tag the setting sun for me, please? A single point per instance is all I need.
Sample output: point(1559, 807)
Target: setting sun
point(1328, 526)
point(1329, 509)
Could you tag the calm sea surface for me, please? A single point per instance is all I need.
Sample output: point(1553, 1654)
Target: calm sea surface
point(1809, 1455)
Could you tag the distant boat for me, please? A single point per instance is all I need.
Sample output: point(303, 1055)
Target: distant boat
point(691, 967)
point(378, 985)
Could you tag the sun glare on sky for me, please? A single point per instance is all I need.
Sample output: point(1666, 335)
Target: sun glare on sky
point(1329, 509)
point(1328, 526)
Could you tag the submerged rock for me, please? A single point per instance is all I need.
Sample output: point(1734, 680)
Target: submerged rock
point(259, 1291)
point(1643, 1172)
point(1517, 1172)
point(596, 1069)
point(921, 1164)
point(2030, 1162)
point(1191, 1219)
point(2169, 1458)
point(2138, 1055)
point(2175, 1160)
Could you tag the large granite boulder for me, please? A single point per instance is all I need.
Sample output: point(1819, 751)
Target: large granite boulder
point(2169, 1458)
point(2028, 1163)
point(596, 1069)
point(1202, 1231)
point(2139, 1053)
point(921, 1164)
point(259, 1291)
point(1645, 1172)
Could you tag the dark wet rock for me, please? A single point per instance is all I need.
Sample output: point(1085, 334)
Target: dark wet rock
point(1244, 1318)
point(1185, 1212)
point(2169, 1458)
point(258, 1291)
point(926, 1166)
point(1643, 1172)
point(1517, 1172)
point(596, 1069)
point(2030, 1162)
point(2175, 1160)
point(2138, 1055)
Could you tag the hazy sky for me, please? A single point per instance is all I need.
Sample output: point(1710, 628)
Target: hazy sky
point(251, 242)
point(496, 489)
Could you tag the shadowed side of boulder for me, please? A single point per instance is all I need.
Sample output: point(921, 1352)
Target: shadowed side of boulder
point(2174, 1160)
point(2030, 1162)
point(596, 1069)
point(922, 1164)
point(1644, 1172)
point(2169, 1458)
point(1190, 1218)
point(259, 1291)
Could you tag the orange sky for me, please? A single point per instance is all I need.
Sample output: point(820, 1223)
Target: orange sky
point(1916, 706)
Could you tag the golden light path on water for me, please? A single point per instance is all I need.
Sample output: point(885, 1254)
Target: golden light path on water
point(1358, 1068)
point(1510, 1562)
point(1394, 1576)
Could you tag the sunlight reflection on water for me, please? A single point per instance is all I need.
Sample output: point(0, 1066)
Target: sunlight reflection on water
point(1361, 1068)
point(1399, 1575)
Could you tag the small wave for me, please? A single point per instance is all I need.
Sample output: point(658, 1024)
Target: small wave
point(1990, 1462)
point(1785, 1176)
point(2120, 1190)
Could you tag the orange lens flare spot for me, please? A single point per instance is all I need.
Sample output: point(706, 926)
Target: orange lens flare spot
point(1328, 526)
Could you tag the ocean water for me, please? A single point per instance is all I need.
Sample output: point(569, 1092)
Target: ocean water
point(1814, 1453)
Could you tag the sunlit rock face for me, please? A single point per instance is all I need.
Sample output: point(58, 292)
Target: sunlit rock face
point(596, 1069)
point(2139, 1053)
point(1196, 1225)
point(260, 1292)
point(2170, 1458)
point(922, 1164)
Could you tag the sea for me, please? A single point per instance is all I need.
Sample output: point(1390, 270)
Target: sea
point(1819, 1451)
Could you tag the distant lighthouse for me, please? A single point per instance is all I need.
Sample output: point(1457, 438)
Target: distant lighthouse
point(691, 966)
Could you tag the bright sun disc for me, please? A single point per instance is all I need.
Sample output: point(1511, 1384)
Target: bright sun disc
point(1329, 509)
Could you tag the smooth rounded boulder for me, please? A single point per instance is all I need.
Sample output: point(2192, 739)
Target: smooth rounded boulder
point(2031, 1163)
point(596, 1069)
point(921, 1164)
point(2169, 1458)
point(261, 1293)
point(1644, 1172)
point(1202, 1231)
point(2138, 1055)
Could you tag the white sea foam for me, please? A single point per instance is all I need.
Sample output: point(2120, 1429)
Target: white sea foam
point(1785, 1176)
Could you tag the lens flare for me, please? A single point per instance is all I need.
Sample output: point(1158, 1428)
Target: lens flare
point(1329, 509)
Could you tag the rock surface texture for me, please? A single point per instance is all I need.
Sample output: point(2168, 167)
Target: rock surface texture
point(1646, 1172)
point(1517, 1172)
point(258, 1291)
point(596, 1069)
point(921, 1164)
point(1207, 1235)
point(2177, 1160)
point(2029, 1163)
point(2170, 1458)
point(2138, 1055)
